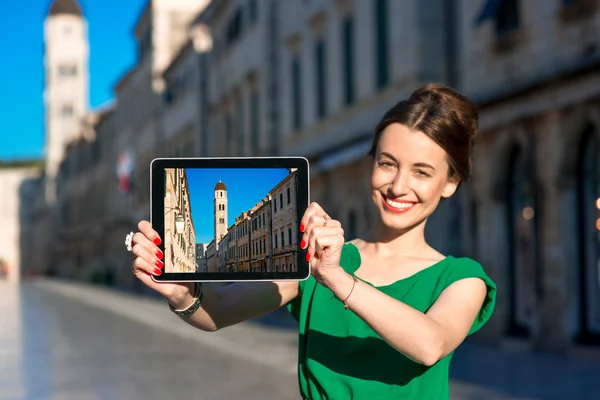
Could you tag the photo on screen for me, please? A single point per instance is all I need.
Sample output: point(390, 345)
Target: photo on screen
point(226, 220)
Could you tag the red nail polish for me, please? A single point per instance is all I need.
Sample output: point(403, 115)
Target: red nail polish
point(307, 256)
point(157, 241)
point(159, 254)
point(157, 271)
point(302, 244)
point(159, 264)
point(301, 227)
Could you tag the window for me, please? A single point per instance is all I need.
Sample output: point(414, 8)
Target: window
point(234, 29)
point(351, 234)
point(381, 44)
point(281, 200)
point(589, 220)
point(275, 204)
point(275, 236)
point(66, 110)
point(67, 70)
point(282, 240)
point(296, 94)
point(288, 195)
point(321, 83)
point(523, 263)
point(240, 126)
point(255, 120)
point(348, 59)
point(290, 235)
point(507, 18)
point(253, 11)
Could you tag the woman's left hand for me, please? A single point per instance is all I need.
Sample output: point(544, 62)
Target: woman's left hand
point(323, 240)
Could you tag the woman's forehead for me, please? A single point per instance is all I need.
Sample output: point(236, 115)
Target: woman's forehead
point(401, 142)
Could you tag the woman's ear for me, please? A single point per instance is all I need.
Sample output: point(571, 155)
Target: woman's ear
point(451, 186)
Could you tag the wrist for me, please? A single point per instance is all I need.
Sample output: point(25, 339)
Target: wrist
point(181, 299)
point(338, 281)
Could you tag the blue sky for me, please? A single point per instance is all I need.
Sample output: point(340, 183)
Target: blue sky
point(245, 188)
point(112, 53)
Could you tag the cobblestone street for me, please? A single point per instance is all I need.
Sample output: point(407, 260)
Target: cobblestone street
point(64, 341)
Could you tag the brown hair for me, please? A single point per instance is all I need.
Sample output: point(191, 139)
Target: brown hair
point(446, 116)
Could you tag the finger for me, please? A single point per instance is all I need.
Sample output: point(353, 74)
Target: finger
point(141, 239)
point(313, 208)
point(314, 222)
point(331, 241)
point(318, 232)
point(146, 228)
point(142, 266)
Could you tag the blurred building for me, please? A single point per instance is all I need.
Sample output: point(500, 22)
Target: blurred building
point(12, 217)
point(312, 78)
point(66, 83)
point(533, 69)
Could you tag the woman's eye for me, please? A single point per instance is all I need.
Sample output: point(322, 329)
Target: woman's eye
point(386, 164)
point(423, 173)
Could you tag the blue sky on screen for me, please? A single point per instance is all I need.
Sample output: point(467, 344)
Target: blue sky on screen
point(245, 188)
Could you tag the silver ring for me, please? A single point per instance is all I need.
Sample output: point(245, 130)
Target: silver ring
point(128, 240)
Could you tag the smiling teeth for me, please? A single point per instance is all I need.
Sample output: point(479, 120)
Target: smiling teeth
point(398, 204)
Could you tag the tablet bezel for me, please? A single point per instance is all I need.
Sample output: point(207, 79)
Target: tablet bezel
point(157, 167)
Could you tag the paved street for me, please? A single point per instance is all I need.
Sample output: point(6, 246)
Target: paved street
point(61, 341)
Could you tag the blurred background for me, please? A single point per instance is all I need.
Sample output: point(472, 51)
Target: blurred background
point(123, 83)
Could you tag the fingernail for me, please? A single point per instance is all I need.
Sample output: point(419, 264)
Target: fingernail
point(159, 254)
point(307, 256)
point(157, 241)
point(302, 244)
point(301, 227)
point(159, 264)
point(157, 271)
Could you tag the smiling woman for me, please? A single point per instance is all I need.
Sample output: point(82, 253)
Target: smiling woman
point(381, 315)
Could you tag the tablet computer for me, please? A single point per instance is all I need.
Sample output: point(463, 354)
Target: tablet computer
point(230, 219)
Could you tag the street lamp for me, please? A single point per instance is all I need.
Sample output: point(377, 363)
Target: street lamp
point(179, 223)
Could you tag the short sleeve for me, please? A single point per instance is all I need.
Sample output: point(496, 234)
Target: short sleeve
point(468, 268)
point(293, 306)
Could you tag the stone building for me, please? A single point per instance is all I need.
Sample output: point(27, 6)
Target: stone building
point(242, 76)
point(66, 83)
point(285, 224)
point(15, 225)
point(533, 69)
point(180, 235)
point(312, 78)
point(201, 265)
point(261, 250)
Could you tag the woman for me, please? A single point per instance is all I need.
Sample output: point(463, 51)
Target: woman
point(380, 316)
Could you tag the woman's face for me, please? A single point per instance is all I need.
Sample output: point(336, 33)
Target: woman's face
point(410, 175)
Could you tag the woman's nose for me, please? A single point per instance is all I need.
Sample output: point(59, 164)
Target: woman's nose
point(400, 184)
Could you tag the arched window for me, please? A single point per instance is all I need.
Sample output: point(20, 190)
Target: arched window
point(523, 246)
point(350, 233)
point(589, 227)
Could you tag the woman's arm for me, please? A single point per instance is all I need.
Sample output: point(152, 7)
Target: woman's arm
point(221, 307)
point(237, 302)
point(423, 337)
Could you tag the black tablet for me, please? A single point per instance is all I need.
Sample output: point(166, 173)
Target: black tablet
point(230, 219)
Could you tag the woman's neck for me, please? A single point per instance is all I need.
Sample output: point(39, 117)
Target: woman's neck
point(389, 243)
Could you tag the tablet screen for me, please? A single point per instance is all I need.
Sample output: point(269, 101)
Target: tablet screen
point(232, 222)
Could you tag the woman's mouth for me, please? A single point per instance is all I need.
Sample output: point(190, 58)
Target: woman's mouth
point(397, 206)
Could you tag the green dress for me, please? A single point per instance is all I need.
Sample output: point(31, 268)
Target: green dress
point(341, 358)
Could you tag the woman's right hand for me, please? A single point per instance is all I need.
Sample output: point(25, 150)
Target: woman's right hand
point(148, 261)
